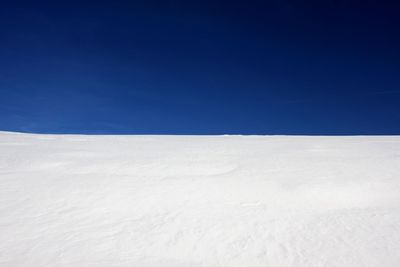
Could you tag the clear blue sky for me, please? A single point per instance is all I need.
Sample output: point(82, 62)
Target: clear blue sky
point(200, 67)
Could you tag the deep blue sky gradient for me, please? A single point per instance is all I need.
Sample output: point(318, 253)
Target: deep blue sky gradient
point(200, 67)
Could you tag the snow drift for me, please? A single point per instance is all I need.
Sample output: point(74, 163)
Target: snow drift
point(71, 200)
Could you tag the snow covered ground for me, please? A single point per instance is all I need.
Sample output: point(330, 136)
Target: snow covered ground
point(71, 200)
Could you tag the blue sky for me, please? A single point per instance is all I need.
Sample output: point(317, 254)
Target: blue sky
point(217, 67)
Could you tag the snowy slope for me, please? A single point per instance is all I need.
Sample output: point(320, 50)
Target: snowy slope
point(71, 200)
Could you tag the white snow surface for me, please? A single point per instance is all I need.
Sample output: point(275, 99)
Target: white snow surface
point(76, 200)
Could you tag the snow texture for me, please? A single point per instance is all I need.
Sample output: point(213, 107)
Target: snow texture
point(74, 200)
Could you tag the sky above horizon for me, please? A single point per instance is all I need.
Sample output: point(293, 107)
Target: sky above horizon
point(207, 67)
